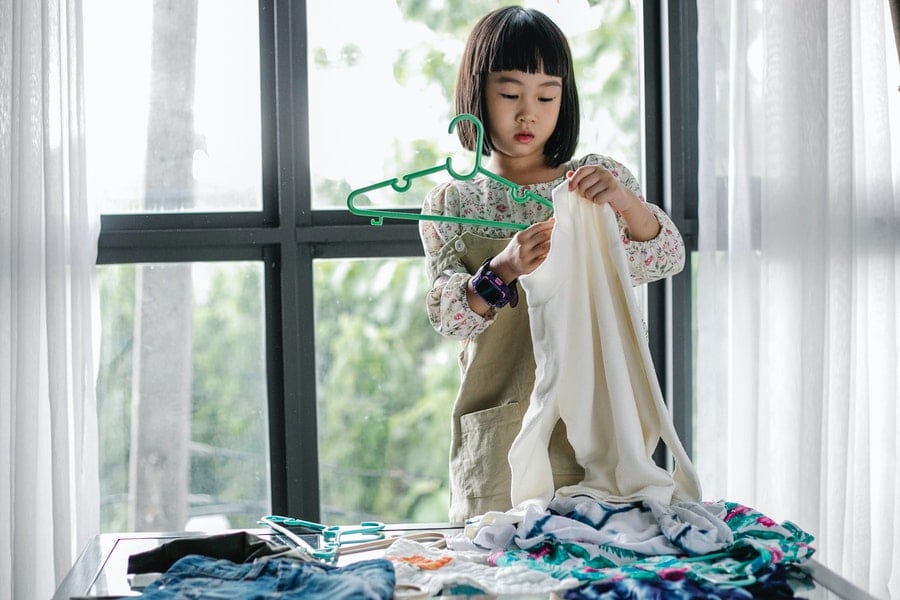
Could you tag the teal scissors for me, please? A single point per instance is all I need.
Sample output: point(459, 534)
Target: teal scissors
point(333, 536)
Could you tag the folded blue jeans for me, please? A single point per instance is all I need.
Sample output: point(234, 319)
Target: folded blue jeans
point(196, 576)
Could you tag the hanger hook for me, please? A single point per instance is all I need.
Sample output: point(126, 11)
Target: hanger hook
point(479, 144)
point(520, 195)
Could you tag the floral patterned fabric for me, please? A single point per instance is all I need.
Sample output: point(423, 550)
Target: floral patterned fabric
point(775, 582)
point(484, 198)
point(760, 544)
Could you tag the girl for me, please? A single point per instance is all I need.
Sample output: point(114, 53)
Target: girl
point(517, 77)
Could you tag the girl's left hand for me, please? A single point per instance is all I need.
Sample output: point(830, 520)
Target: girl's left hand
point(601, 187)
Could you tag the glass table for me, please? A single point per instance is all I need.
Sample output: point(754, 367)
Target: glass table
point(100, 572)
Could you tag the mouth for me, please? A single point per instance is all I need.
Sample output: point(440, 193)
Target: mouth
point(523, 137)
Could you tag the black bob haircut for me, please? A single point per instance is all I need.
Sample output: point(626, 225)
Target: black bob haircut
point(517, 39)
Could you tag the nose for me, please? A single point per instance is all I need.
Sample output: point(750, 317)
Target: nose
point(527, 113)
point(526, 117)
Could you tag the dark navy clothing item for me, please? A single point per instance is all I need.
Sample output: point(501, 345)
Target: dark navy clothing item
point(196, 576)
point(236, 546)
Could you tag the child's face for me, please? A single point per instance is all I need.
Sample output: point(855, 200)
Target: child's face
point(523, 109)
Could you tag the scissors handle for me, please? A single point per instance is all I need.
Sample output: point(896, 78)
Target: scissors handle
point(299, 523)
point(366, 531)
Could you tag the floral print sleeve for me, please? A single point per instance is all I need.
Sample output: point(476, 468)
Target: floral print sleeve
point(650, 260)
point(655, 259)
point(446, 304)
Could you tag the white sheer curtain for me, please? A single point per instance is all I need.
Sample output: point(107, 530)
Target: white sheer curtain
point(49, 497)
point(797, 296)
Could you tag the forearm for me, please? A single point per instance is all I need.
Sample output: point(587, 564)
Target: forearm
point(642, 225)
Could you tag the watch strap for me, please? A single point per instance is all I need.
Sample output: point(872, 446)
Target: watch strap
point(492, 289)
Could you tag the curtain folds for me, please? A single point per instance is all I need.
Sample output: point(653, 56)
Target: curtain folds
point(797, 273)
point(49, 489)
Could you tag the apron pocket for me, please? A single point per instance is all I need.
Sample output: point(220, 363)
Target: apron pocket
point(483, 467)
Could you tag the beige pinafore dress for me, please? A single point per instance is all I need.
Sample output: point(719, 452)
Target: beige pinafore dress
point(497, 378)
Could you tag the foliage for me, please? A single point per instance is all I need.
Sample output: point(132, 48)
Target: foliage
point(116, 288)
point(229, 393)
point(384, 393)
point(228, 425)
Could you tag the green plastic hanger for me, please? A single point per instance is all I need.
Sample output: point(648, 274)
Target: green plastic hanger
point(403, 183)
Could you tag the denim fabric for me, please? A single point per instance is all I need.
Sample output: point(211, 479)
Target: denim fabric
point(196, 576)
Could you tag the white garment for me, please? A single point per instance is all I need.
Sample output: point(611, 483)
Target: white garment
point(619, 532)
point(434, 570)
point(594, 371)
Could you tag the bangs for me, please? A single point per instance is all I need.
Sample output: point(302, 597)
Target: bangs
point(524, 42)
point(517, 39)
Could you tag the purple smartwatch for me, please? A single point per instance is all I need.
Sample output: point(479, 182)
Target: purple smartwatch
point(492, 289)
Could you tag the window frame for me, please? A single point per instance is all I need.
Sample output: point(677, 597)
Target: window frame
point(288, 235)
point(671, 155)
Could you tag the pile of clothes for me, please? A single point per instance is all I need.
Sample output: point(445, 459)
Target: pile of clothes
point(578, 548)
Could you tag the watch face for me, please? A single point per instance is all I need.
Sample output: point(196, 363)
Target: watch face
point(487, 290)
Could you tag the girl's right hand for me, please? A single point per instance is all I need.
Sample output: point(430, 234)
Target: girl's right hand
point(525, 252)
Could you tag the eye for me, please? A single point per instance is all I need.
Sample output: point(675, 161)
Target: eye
point(509, 96)
point(546, 99)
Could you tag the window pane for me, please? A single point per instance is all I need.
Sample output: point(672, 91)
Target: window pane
point(181, 397)
point(381, 98)
point(172, 105)
point(386, 384)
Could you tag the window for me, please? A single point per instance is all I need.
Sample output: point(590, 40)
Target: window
point(187, 139)
point(272, 345)
point(182, 395)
